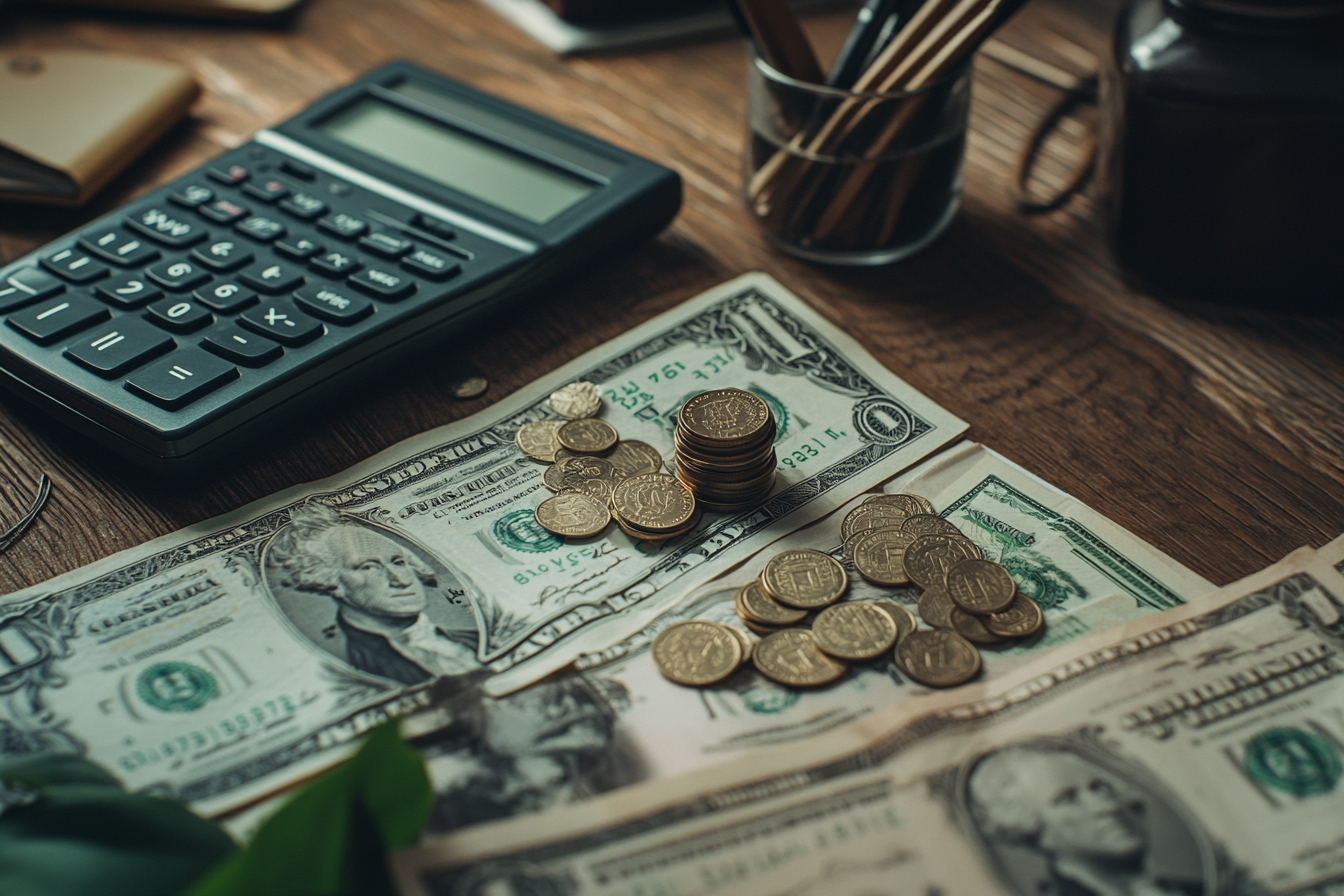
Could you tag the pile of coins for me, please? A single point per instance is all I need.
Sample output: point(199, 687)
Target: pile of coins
point(599, 477)
point(890, 540)
point(725, 449)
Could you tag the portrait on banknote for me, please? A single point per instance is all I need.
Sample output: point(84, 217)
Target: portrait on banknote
point(371, 597)
point(1065, 819)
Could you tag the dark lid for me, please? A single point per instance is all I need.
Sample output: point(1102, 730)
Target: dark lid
point(1269, 9)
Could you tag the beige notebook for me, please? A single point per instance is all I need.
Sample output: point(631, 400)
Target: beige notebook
point(72, 119)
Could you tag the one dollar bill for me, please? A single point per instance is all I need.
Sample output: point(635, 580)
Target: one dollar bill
point(232, 658)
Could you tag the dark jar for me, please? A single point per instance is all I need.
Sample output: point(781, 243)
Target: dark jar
point(1223, 150)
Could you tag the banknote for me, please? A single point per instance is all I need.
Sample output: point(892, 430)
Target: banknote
point(249, 651)
point(1333, 553)
point(615, 720)
point(1196, 751)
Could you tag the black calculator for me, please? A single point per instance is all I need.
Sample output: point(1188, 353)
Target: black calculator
point(383, 219)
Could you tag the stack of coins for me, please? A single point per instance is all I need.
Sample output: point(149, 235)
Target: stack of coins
point(654, 507)
point(725, 449)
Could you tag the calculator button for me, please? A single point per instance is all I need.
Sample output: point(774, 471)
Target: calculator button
point(128, 292)
point(178, 275)
point(181, 378)
point(233, 175)
point(303, 206)
point(260, 228)
point(272, 279)
point(225, 298)
point(115, 348)
point(434, 226)
point(119, 247)
point(179, 315)
point(280, 320)
point(192, 195)
point(337, 263)
point(225, 255)
point(235, 344)
point(223, 211)
point(298, 169)
point(28, 285)
point(431, 265)
point(74, 265)
point(383, 284)
point(386, 245)
point(299, 250)
point(343, 226)
point(164, 227)
point(269, 191)
point(335, 305)
point(54, 318)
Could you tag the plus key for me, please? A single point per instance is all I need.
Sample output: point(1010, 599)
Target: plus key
point(280, 320)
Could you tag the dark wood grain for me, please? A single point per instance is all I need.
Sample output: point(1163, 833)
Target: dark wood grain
point(1218, 435)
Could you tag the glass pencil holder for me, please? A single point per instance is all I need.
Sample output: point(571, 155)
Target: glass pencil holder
point(850, 178)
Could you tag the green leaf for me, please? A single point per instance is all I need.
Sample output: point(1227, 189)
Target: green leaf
point(83, 834)
point(332, 838)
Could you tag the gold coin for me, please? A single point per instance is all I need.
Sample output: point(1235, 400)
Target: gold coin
point(696, 652)
point(904, 619)
point(537, 440)
point(573, 515)
point(847, 549)
point(554, 477)
point(587, 436)
point(980, 586)
point(928, 524)
point(576, 401)
point(635, 458)
point(574, 470)
point(935, 607)
point(854, 631)
point(911, 504)
point(762, 629)
point(742, 638)
point(804, 579)
point(879, 556)
point(724, 415)
point(760, 607)
point(1022, 618)
point(972, 627)
point(791, 657)
point(597, 489)
point(937, 658)
point(468, 387)
point(650, 535)
point(871, 516)
point(929, 557)
point(654, 501)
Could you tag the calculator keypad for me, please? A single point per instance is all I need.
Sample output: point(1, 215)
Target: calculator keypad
point(48, 321)
point(183, 376)
point(128, 292)
point(280, 320)
point(116, 347)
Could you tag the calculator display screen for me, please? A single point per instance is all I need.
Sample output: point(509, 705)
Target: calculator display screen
point(466, 163)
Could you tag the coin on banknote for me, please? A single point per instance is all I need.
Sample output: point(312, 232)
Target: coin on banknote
point(972, 627)
point(980, 586)
point(929, 557)
point(576, 401)
point(760, 607)
point(854, 630)
point(635, 458)
point(904, 619)
point(587, 436)
point(748, 645)
point(937, 658)
point(573, 515)
point(696, 652)
point(871, 516)
point(538, 441)
point(792, 657)
point(911, 504)
point(847, 549)
point(762, 629)
point(573, 469)
point(804, 579)
point(935, 607)
point(724, 415)
point(879, 556)
point(1022, 618)
point(926, 524)
point(597, 489)
point(654, 501)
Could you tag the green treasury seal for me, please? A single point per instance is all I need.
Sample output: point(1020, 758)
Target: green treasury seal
point(1293, 761)
point(519, 531)
point(176, 687)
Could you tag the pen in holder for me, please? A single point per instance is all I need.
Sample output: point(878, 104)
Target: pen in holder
point(853, 178)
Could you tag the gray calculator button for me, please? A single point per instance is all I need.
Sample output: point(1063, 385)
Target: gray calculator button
point(46, 322)
point(387, 245)
point(301, 205)
point(235, 344)
point(338, 305)
point(261, 228)
point(192, 195)
point(178, 275)
point(280, 320)
point(222, 255)
point(431, 265)
point(298, 249)
point(272, 279)
point(119, 247)
point(163, 226)
point(179, 315)
point(226, 297)
point(344, 226)
point(27, 285)
point(75, 266)
point(337, 263)
point(128, 292)
point(116, 347)
point(383, 283)
point(182, 377)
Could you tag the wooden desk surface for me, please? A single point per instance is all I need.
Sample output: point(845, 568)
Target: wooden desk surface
point(1217, 436)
